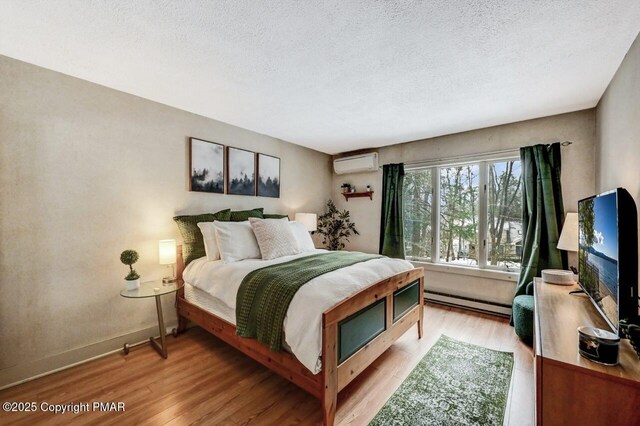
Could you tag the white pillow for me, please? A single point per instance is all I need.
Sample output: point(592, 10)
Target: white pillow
point(302, 236)
point(236, 241)
point(208, 230)
point(275, 237)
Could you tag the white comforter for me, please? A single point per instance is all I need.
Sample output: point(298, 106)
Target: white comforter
point(303, 323)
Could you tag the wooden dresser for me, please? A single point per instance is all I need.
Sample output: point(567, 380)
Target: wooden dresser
point(571, 390)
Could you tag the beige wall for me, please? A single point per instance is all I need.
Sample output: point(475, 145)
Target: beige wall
point(577, 181)
point(86, 172)
point(618, 129)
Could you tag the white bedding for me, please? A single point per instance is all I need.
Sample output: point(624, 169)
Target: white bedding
point(303, 323)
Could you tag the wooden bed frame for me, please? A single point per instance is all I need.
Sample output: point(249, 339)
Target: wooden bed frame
point(355, 332)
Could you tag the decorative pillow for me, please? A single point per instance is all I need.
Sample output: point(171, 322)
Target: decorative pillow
point(208, 230)
point(275, 237)
point(192, 241)
point(275, 216)
point(236, 241)
point(302, 236)
point(242, 215)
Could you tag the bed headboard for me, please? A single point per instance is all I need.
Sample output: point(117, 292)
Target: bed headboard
point(179, 267)
point(179, 262)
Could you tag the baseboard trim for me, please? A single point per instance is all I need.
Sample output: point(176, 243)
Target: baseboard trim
point(469, 303)
point(30, 370)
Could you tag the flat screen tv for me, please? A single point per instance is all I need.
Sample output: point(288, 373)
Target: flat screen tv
point(608, 254)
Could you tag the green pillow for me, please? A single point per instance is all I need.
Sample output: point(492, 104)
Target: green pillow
point(192, 241)
point(242, 215)
point(275, 216)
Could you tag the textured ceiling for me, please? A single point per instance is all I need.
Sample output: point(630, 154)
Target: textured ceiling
point(336, 75)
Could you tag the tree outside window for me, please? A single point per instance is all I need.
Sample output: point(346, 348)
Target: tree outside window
point(418, 199)
point(459, 188)
point(479, 214)
point(504, 208)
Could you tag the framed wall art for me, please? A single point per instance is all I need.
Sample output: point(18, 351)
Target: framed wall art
point(241, 172)
point(268, 176)
point(206, 166)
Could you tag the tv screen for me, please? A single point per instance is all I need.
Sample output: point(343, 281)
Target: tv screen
point(607, 265)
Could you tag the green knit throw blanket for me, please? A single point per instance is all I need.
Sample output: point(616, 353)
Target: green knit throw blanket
point(265, 294)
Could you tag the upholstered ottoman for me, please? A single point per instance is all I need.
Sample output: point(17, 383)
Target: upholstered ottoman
point(523, 317)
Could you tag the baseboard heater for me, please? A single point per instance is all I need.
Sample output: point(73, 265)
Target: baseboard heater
point(468, 303)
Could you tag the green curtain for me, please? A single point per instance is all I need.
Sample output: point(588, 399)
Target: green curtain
point(391, 224)
point(542, 212)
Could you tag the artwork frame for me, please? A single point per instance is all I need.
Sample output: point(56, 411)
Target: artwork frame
point(206, 158)
point(241, 162)
point(268, 180)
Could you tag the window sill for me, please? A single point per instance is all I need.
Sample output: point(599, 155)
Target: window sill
point(474, 272)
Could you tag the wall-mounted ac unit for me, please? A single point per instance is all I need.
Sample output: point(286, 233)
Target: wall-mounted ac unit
point(356, 164)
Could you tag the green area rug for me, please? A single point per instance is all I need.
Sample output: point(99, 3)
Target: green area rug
point(456, 383)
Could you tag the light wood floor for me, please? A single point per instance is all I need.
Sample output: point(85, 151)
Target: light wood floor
point(204, 381)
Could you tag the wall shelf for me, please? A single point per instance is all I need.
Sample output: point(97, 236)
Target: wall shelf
point(348, 195)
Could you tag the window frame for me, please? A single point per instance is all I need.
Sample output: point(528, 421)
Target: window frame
point(483, 213)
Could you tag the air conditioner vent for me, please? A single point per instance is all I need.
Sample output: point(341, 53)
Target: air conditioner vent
point(356, 164)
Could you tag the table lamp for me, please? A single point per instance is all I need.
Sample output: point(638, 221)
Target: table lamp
point(309, 220)
point(167, 256)
point(569, 236)
point(568, 241)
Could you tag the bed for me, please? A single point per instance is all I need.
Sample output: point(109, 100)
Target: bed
point(329, 336)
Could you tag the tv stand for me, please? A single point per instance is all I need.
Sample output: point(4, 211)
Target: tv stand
point(571, 389)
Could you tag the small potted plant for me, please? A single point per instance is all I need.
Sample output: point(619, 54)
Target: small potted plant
point(336, 227)
point(129, 257)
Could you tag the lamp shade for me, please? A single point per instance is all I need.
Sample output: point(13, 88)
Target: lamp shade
point(310, 220)
point(569, 236)
point(167, 252)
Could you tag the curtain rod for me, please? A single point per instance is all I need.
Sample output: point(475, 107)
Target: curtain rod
point(470, 157)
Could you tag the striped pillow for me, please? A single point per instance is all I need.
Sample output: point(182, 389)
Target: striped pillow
point(243, 215)
point(275, 216)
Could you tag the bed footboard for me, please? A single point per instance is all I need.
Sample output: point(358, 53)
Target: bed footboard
point(358, 330)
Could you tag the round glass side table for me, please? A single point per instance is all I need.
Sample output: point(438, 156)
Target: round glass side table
point(153, 289)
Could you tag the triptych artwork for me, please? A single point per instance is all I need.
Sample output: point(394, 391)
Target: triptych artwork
point(238, 171)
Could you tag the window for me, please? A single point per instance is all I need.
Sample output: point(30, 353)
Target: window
point(465, 214)
point(504, 219)
point(459, 214)
point(418, 197)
